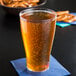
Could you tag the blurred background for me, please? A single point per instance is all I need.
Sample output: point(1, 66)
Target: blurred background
point(62, 5)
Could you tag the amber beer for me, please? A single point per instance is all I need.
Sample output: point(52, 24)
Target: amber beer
point(38, 29)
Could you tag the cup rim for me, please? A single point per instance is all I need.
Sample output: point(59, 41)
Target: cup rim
point(37, 9)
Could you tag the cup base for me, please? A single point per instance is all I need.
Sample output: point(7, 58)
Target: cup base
point(30, 70)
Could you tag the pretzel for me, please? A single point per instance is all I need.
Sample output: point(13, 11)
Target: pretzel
point(32, 4)
point(16, 0)
point(1, 1)
point(12, 4)
point(35, 1)
point(70, 18)
point(19, 3)
point(62, 12)
point(7, 1)
point(61, 17)
point(65, 16)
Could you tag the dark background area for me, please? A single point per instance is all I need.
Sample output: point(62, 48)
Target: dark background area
point(11, 47)
point(62, 5)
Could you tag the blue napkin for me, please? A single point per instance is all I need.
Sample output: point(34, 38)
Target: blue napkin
point(65, 24)
point(62, 24)
point(55, 69)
